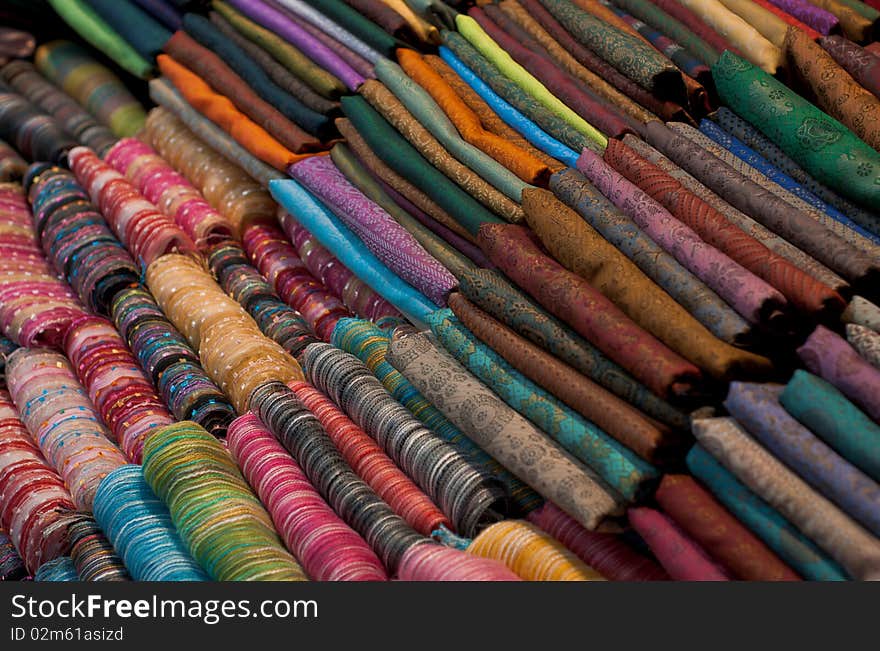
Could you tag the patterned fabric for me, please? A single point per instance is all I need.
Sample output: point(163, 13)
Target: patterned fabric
point(679, 555)
point(813, 15)
point(757, 141)
point(862, 312)
point(861, 64)
point(615, 464)
point(778, 534)
point(752, 297)
point(647, 439)
point(711, 526)
point(837, 93)
point(575, 191)
point(856, 27)
point(498, 429)
point(498, 298)
point(39, 137)
point(411, 128)
point(825, 411)
point(828, 355)
point(751, 162)
point(756, 407)
point(587, 311)
point(667, 24)
point(799, 288)
point(345, 26)
point(391, 243)
point(579, 248)
point(631, 56)
point(848, 543)
point(824, 147)
point(798, 228)
point(866, 342)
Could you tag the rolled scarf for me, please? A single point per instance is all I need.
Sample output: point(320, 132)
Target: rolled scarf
point(93, 29)
point(367, 19)
point(583, 251)
point(358, 63)
point(137, 27)
point(828, 355)
point(76, 238)
point(862, 312)
point(810, 13)
point(398, 154)
point(229, 69)
point(520, 21)
point(743, 36)
point(396, 184)
point(371, 464)
point(12, 566)
point(845, 541)
point(858, 62)
point(389, 241)
point(327, 548)
point(121, 392)
point(36, 306)
point(510, 112)
point(616, 417)
point(271, 252)
point(62, 421)
point(452, 251)
point(35, 506)
point(853, 17)
point(349, 249)
point(60, 569)
point(791, 191)
point(780, 535)
point(439, 563)
point(866, 342)
point(756, 407)
point(500, 431)
point(689, 291)
point(223, 184)
point(631, 56)
point(37, 136)
point(355, 294)
point(95, 87)
point(468, 123)
point(768, 24)
point(222, 112)
point(822, 145)
point(837, 93)
point(606, 552)
point(171, 192)
point(171, 364)
point(465, 495)
point(515, 94)
point(139, 527)
point(209, 134)
point(277, 320)
point(276, 21)
point(302, 436)
point(328, 21)
point(426, 110)
point(380, 14)
point(751, 296)
point(370, 344)
point(788, 19)
point(572, 299)
point(293, 59)
point(615, 464)
point(755, 229)
point(213, 69)
point(492, 293)
point(799, 288)
point(183, 465)
point(826, 412)
point(281, 76)
point(800, 229)
point(711, 526)
point(165, 11)
point(138, 224)
point(76, 121)
point(680, 555)
point(531, 553)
